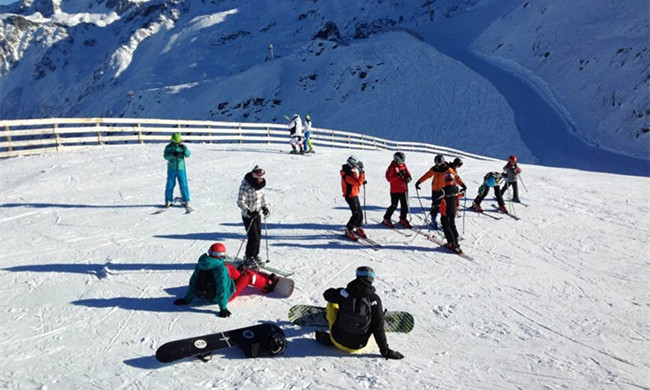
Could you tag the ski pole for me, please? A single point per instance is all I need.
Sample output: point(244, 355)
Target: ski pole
point(244, 239)
point(464, 209)
point(266, 233)
point(421, 206)
point(365, 217)
point(522, 182)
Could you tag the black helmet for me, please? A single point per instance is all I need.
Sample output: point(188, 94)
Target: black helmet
point(457, 162)
point(399, 157)
point(439, 160)
point(366, 273)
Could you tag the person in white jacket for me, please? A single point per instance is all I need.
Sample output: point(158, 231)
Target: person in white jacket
point(295, 130)
point(252, 201)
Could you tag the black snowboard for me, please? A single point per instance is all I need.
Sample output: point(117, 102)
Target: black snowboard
point(252, 340)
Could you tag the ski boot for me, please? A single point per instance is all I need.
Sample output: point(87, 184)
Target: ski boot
point(350, 234)
point(271, 283)
point(476, 207)
point(434, 225)
point(360, 232)
point(253, 263)
point(387, 222)
point(503, 209)
point(404, 222)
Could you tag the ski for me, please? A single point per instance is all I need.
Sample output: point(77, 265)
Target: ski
point(165, 208)
point(396, 230)
point(441, 242)
point(364, 241)
point(516, 218)
point(482, 213)
point(264, 267)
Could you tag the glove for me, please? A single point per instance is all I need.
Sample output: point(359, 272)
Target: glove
point(390, 354)
point(181, 302)
point(177, 154)
point(464, 188)
point(253, 214)
point(225, 313)
point(518, 170)
point(360, 166)
point(417, 185)
point(266, 212)
point(365, 182)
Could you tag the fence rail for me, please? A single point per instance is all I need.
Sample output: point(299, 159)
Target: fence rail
point(35, 136)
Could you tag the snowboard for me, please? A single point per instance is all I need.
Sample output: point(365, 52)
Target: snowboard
point(252, 340)
point(308, 315)
point(284, 287)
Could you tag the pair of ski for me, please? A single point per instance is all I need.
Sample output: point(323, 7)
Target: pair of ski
point(269, 338)
point(365, 241)
point(188, 209)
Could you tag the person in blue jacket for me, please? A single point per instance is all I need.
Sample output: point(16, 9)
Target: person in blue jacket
point(175, 154)
point(220, 282)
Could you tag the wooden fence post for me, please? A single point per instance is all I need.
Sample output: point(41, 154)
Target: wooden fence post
point(56, 136)
point(8, 136)
point(140, 139)
point(99, 134)
point(240, 134)
point(268, 135)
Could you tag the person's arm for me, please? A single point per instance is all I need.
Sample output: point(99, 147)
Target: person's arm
point(241, 197)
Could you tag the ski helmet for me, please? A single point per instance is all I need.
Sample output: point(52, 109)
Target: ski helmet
point(366, 273)
point(439, 160)
point(258, 172)
point(457, 162)
point(399, 157)
point(307, 117)
point(491, 181)
point(512, 159)
point(353, 161)
point(217, 250)
point(176, 138)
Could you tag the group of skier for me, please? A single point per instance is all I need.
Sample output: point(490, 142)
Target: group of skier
point(354, 313)
point(300, 135)
point(446, 189)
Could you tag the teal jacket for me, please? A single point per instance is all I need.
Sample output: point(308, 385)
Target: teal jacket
point(176, 163)
point(225, 286)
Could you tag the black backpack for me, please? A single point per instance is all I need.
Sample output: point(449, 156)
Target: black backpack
point(355, 315)
point(205, 284)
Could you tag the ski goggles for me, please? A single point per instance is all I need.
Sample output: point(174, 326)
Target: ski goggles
point(217, 255)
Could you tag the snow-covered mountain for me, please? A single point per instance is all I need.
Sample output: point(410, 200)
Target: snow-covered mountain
point(370, 67)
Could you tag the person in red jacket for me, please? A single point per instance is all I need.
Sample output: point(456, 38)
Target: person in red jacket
point(352, 178)
point(398, 176)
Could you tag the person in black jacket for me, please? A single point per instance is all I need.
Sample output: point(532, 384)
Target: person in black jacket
point(354, 313)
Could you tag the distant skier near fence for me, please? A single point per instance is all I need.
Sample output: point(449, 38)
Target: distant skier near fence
point(175, 153)
point(354, 313)
point(308, 147)
point(295, 131)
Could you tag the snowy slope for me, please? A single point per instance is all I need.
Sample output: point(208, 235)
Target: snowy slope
point(557, 300)
point(353, 65)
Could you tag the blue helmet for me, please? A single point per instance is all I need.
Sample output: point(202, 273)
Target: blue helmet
point(491, 181)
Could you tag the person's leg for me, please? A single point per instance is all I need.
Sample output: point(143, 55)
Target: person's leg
point(393, 206)
point(404, 205)
point(254, 237)
point(169, 186)
point(182, 183)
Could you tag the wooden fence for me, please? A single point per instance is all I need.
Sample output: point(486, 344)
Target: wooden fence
point(34, 136)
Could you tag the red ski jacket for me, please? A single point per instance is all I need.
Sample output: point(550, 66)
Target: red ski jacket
point(398, 176)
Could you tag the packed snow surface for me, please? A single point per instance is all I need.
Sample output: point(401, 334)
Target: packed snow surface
point(556, 300)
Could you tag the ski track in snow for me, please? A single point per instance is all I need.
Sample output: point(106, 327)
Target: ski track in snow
point(554, 300)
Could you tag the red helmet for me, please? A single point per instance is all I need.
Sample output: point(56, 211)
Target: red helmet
point(450, 179)
point(217, 250)
point(512, 159)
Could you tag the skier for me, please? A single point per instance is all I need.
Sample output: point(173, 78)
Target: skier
point(511, 172)
point(354, 313)
point(457, 163)
point(219, 282)
point(308, 147)
point(295, 130)
point(398, 176)
point(252, 201)
point(437, 172)
point(448, 208)
point(352, 178)
point(491, 179)
point(175, 154)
